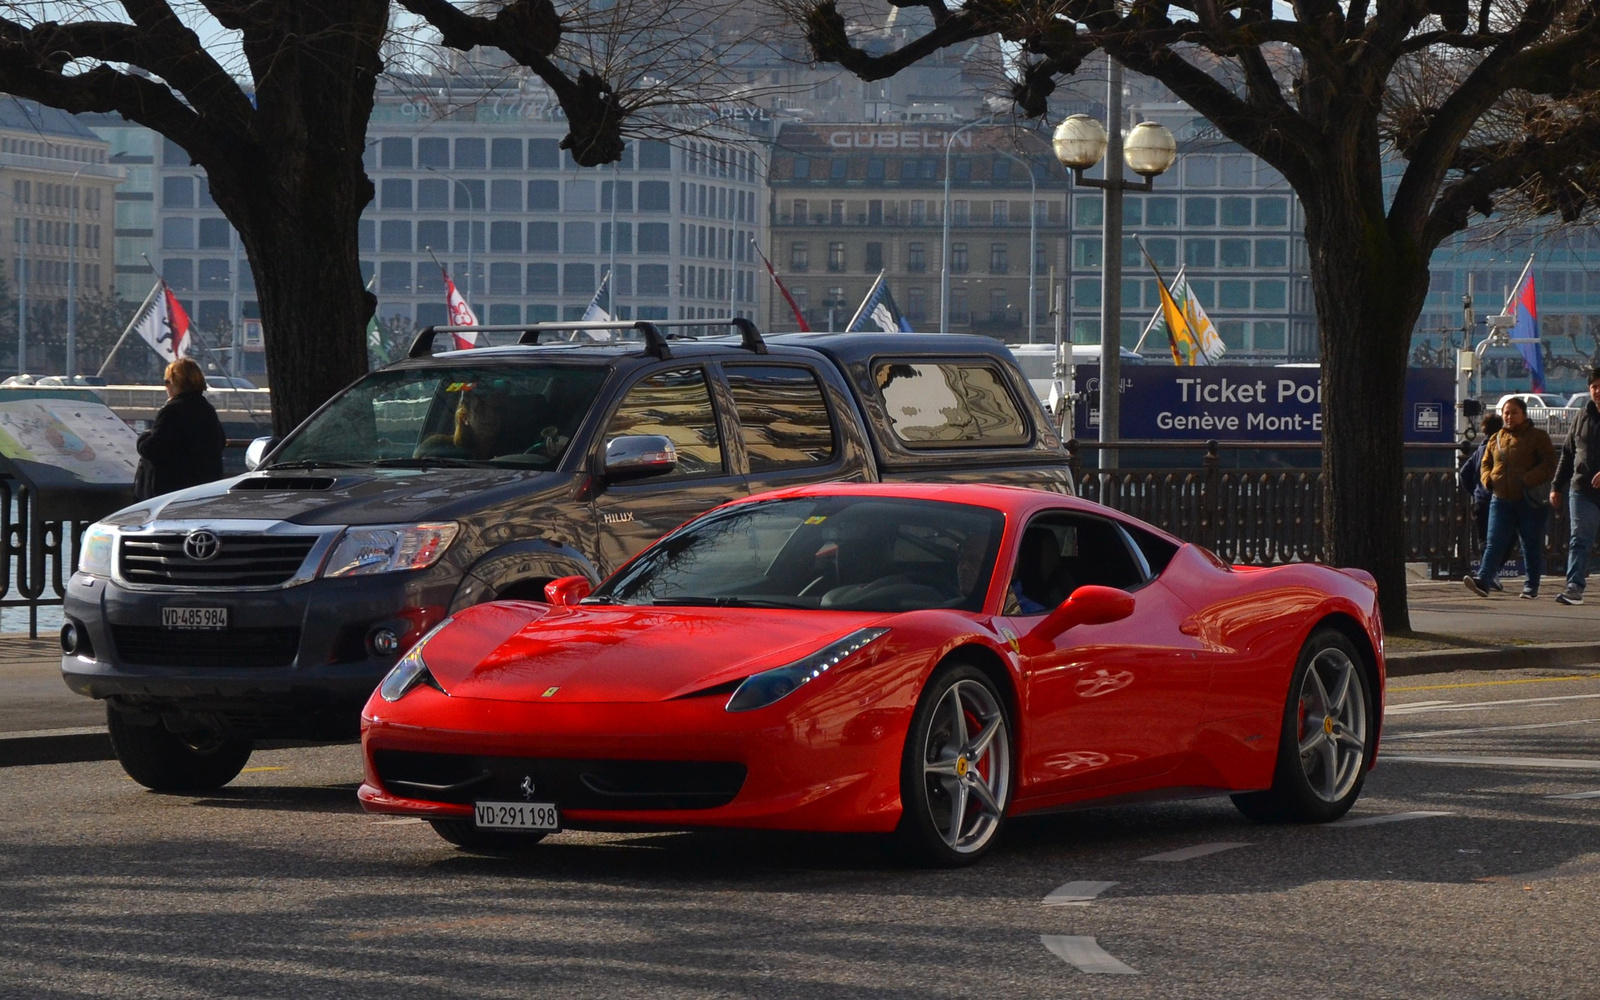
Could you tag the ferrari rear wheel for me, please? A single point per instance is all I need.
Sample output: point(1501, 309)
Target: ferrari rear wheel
point(464, 833)
point(955, 779)
point(1326, 741)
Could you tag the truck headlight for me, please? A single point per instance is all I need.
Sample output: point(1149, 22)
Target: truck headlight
point(761, 690)
point(389, 548)
point(94, 552)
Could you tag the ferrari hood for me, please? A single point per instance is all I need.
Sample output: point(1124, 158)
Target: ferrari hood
point(530, 652)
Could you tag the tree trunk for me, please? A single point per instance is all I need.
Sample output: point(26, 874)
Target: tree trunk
point(1369, 285)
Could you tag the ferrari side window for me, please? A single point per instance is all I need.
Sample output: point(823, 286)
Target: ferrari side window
point(676, 405)
point(1157, 551)
point(1059, 553)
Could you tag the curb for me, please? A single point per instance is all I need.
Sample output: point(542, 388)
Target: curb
point(1541, 657)
point(55, 746)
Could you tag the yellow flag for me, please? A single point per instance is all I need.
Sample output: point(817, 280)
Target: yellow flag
point(1178, 331)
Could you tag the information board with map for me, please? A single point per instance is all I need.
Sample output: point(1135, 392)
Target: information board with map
point(79, 457)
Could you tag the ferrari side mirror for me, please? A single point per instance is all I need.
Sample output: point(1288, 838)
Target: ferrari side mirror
point(567, 591)
point(1088, 605)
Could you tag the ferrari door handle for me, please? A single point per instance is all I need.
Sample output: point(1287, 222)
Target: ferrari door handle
point(1190, 626)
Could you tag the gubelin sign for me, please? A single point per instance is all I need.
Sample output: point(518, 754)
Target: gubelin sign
point(895, 139)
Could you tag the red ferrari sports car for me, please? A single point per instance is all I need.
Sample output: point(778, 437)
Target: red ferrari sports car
point(920, 660)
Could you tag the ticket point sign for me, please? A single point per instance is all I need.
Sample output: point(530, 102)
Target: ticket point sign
point(1246, 403)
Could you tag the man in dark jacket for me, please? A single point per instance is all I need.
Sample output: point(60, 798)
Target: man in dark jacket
point(1470, 476)
point(184, 447)
point(1579, 466)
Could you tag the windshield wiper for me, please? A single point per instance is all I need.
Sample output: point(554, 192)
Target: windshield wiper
point(433, 460)
point(309, 463)
point(720, 602)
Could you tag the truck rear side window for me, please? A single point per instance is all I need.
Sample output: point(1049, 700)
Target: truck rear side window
point(677, 406)
point(782, 416)
point(949, 404)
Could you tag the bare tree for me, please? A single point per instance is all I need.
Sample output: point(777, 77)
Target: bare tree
point(280, 129)
point(1477, 103)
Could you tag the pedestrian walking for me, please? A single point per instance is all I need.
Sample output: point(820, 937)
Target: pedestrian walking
point(1579, 469)
point(1470, 476)
point(184, 446)
point(1519, 464)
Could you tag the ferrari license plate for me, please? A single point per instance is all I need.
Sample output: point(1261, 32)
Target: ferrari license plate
point(194, 617)
point(516, 816)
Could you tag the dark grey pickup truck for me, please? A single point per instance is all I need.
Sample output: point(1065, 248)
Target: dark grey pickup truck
point(269, 605)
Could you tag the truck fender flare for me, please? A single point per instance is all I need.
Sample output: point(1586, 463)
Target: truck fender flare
point(519, 562)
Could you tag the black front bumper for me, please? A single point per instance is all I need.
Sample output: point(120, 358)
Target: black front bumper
point(293, 663)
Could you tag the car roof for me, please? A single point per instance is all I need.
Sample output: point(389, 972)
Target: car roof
point(1010, 499)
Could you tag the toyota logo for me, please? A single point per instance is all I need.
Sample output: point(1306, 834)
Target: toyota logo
point(201, 545)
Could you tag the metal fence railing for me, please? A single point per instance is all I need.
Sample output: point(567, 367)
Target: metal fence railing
point(1263, 517)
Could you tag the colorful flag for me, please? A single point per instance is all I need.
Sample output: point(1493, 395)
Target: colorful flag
point(798, 318)
point(461, 314)
point(1200, 326)
point(594, 312)
point(1523, 307)
point(163, 324)
point(878, 312)
point(1181, 338)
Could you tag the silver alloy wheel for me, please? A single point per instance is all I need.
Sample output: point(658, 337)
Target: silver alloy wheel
point(1333, 724)
point(968, 774)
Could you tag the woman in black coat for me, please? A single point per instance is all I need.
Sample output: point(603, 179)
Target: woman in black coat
point(184, 447)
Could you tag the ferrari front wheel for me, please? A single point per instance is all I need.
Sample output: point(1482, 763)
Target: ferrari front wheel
point(1326, 742)
point(464, 833)
point(956, 771)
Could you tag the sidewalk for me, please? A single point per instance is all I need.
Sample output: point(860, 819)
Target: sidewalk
point(43, 722)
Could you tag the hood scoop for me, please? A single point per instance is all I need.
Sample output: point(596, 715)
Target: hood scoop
point(276, 483)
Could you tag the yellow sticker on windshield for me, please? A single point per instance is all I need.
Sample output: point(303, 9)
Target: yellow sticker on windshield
point(459, 386)
point(816, 519)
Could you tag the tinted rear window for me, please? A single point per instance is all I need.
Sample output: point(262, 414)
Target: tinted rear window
point(782, 416)
point(949, 404)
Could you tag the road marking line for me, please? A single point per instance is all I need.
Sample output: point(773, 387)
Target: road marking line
point(1086, 954)
point(397, 822)
point(1471, 705)
point(1419, 704)
point(1388, 818)
point(1197, 851)
point(1560, 763)
point(1075, 893)
point(1576, 795)
point(255, 770)
point(1481, 684)
point(1485, 729)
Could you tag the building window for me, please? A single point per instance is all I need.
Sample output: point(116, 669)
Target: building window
point(470, 154)
point(618, 196)
point(1236, 211)
point(799, 256)
point(800, 212)
point(958, 258)
point(434, 234)
point(917, 258)
point(505, 195)
point(1271, 295)
point(1237, 171)
point(875, 168)
point(1000, 212)
point(958, 306)
point(176, 234)
point(655, 196)
point(997, 258)
point(395, 193)
point(1088, 211)
point(997, 305)
point(917, 304)
point(506, 154)
point(1273, 253)
point(214, 234)
point(434, 152)
point(505, 237)
point(655, 155)
point(1233, 294)
point(802, 169)
point(433, 192)
point(505, 277)
point(1200, 211)
point(396, 154)
point(919, 212)
point(839, 169)
point(1041, 257)
point(874, 261)
point(836, 256)
point(654, 237)
point(1272, 211)
point(1200, 171)
point(1235, 253)
point(544, 196)
point(542, 280)
point(836, 212)
point(1161, 211)
point(214, 275)
point(960, 213)
point(1268, 335)
point(1200, 253)
point(1164, 251)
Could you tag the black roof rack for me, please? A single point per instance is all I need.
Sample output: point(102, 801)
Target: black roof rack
point(655, 341)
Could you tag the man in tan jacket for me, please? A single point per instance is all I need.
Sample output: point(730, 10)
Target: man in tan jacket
point(1518, 464)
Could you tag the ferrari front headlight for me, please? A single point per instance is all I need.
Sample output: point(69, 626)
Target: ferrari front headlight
point(761, 690)
point(411, 670)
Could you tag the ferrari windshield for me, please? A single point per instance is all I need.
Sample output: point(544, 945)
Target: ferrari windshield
point(521, 417)
point(848, 553)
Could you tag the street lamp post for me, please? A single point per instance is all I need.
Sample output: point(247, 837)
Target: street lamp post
point(72, 276)
point(1080, 142)
point(1033, 237)
point(944, 257)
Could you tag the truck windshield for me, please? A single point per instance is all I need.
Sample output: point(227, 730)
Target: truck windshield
point(521, 417)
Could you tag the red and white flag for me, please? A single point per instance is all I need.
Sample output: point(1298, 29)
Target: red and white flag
point(163, 324)
point(461, 314)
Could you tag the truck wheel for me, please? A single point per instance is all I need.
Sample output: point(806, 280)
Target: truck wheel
point(163, 761)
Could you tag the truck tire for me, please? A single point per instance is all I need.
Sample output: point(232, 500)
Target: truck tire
point(163, 761)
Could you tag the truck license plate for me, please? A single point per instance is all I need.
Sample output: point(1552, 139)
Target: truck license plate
point(194, 617)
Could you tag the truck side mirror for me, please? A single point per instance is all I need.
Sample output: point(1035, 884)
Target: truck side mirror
point(257, 451)
point(567, 590)
point(1088, 605)
point(635, 456)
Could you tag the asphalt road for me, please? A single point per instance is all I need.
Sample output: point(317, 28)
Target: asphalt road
point(1472, 871)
